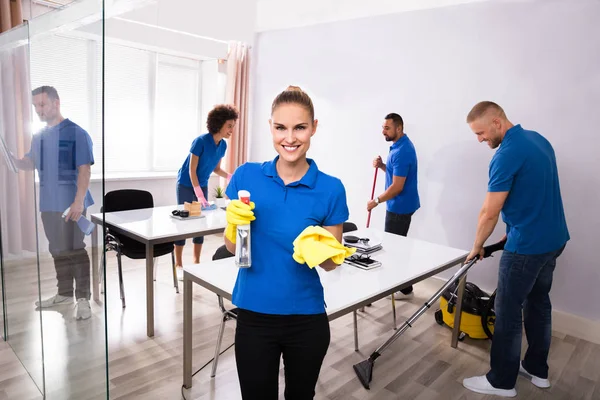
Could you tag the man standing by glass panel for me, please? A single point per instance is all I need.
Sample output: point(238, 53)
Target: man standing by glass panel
point(62, 154)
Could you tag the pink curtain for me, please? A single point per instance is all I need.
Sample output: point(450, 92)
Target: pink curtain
point(11, 14)
point(237, 93)
point(17, 192)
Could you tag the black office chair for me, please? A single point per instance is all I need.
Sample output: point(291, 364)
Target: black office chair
point(221, 253)
point(349, 227)
point(125, 200)
point(227, 315)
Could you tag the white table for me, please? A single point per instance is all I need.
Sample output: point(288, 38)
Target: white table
point(405, 261)
point(152, 226)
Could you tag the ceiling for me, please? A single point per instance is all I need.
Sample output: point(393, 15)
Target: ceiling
point(282, 14)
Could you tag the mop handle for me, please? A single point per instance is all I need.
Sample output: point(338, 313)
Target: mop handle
point(488, 250)
point(372, 195)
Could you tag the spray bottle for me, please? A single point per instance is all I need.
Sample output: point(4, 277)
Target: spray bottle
point(242, 242)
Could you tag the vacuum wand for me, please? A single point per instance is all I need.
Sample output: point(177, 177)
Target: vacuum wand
point(364, 369)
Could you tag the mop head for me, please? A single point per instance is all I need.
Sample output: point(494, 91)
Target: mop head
point(364, 372)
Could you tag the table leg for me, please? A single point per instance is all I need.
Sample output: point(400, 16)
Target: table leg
point(149, 289)
point(355, 331)
point(458, 311)
point(187, 332)
point(95, 284)
point(394, 310)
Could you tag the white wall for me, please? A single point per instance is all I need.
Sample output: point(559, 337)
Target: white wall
point(538, 60)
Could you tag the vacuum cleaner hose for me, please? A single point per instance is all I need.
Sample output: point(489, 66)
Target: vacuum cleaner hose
point(364, 369)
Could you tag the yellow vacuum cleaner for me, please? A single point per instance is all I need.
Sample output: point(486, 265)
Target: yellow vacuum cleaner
point(477, 317)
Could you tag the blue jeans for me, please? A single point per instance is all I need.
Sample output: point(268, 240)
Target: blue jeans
point(524, 283)
point(184, 194)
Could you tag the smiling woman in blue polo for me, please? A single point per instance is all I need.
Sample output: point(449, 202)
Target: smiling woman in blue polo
point(281, 300)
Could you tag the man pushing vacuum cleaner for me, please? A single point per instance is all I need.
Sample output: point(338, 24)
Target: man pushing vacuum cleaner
point(524, 187)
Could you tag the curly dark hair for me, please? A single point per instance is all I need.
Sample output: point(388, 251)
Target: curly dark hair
point(219, 115)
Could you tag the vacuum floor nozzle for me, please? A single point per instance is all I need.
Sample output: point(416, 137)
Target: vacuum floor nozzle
point(364, 372)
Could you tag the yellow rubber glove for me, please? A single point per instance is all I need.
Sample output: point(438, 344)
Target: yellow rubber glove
point(315, 245)
point(237, 213)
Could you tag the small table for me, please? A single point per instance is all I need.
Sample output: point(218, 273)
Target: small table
point(405, 261)
point(152, 226)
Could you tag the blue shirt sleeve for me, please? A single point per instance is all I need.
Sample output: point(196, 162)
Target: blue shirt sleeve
point(503, 169)
point(84, 150)
point(197, 147)
point(401, 164)
point(32, 153)
point(338, 207)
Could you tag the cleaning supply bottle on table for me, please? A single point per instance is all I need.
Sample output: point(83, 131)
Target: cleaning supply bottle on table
point(243, 257)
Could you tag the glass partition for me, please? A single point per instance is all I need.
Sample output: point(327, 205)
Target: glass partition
point(18, 215)
point(95, 96)
point(54, 314)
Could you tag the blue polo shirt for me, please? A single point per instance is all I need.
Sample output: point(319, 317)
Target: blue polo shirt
point(525, 166)
point(57, 152)
point(209, 155)
point(275, 283)
point(402, 161)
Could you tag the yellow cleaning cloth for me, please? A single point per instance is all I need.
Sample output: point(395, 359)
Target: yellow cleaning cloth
point(316, 244)
point(237, 213)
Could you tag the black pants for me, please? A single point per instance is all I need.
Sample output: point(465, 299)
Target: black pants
point(261, 340)
point(71, 260)
point(398, 224)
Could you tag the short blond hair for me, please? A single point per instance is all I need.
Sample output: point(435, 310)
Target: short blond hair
point(482, 108)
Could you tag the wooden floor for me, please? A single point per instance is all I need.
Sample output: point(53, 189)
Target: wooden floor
point(14, 381)
point(420, 365)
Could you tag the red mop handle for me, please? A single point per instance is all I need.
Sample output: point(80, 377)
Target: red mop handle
point(372, 195)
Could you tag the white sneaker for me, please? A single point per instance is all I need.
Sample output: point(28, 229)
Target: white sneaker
point(55, 300)
point(83, 309)
point(179, 273)
point(480, 384)
point(539, 382)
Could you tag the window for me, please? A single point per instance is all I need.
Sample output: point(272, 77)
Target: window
point(127, 125)
point(177, 111)
point(62, 62)
point(155, 105)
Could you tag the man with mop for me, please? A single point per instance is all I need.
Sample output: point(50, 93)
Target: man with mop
point(523, 185)
point(401, 194)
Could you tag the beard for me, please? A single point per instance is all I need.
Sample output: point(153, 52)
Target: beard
point(494, 143)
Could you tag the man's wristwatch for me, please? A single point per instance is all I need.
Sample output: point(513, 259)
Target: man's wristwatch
point(377, 200)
